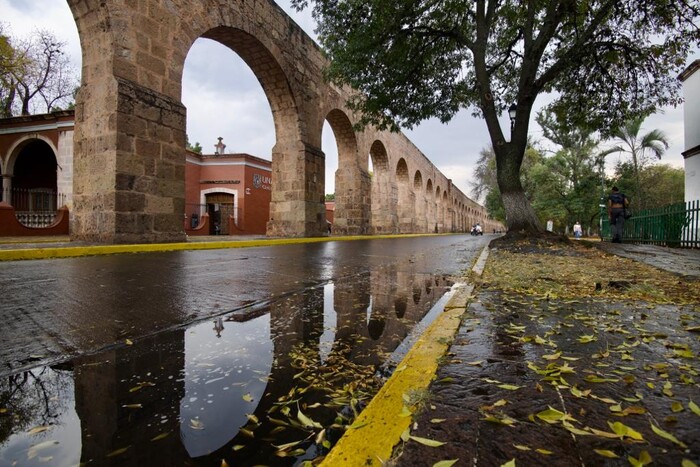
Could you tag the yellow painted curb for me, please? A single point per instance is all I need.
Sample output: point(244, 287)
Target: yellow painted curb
point(371, 438)
point(95, 250)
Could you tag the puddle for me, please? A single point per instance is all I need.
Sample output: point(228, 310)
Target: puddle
point(272, 385)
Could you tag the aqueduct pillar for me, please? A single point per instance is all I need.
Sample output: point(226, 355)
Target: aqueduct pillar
point(130, 124)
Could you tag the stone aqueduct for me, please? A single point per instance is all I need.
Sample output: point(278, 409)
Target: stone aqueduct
point(130, 129)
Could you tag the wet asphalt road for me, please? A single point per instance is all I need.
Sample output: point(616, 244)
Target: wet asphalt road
point(54, 309)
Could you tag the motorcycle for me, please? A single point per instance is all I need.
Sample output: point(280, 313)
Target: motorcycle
point(476, 230)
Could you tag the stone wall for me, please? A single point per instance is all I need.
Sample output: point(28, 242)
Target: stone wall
point(130, 128)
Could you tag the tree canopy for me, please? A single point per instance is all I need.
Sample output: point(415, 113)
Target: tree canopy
point(569, 184)
point(639, 147)
point(35, 74)
point(602, 61)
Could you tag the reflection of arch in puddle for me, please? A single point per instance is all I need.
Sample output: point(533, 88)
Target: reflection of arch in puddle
point(223, 382)
point(417, 293)
point(330, 323)
point(109, 384)
point(376, 324)
point(428, 286)
point(401, 305)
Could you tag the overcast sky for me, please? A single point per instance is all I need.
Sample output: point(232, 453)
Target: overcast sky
point(223, 98)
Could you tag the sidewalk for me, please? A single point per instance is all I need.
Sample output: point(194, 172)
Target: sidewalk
point(565, 370)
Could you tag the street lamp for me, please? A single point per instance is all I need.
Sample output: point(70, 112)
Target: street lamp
point(511, 113)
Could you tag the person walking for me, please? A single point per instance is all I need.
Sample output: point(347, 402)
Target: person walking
point(578, 231)
point(617, 204)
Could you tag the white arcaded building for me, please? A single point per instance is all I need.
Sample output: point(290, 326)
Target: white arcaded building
point(691, 117)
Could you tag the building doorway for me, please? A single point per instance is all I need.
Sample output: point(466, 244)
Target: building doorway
point(220, 206)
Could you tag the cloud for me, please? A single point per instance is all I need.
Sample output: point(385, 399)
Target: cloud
point(224, 99)
point(24, 17)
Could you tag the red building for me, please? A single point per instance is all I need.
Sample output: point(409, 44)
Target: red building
point(233, 189)
point(36, 179)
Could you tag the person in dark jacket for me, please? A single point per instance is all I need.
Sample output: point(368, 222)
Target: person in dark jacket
point(617, 204)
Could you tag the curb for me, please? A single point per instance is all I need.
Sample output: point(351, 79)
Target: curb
point(370, 440)
point(20, 254)
point(478, 268)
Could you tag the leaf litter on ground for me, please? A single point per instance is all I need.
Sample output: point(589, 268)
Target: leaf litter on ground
point(631, 344)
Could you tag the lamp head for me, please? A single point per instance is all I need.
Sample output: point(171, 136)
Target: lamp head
point(512, 111)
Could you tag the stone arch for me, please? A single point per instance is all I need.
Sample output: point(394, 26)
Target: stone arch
point(352, 182)
point(405, 199)
point(402, 171)
point(267, 69)
point(430, 206)
point(446, 211)
point(439, 220)
point(291, 155)
point(418, 181)
point(421, 204)
point(132, 72)
point(32, 174)
point(383, 204)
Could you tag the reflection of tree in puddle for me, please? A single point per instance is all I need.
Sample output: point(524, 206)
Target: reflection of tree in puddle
point(32, 398)
point(32, 408)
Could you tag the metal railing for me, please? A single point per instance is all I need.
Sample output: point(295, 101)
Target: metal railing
point(676, 225)
point(35, 207)
point(34, 199)
point(219, 214)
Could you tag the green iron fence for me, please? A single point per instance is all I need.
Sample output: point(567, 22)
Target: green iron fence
point(676, 225)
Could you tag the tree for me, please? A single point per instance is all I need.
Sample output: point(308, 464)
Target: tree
point(564, 187)
point(638, 147)
point(603, 61)
point(196, 148)
point(35, 74)
point(667, 183)
point(486, 183)
point(10, 64)
point(568, 182)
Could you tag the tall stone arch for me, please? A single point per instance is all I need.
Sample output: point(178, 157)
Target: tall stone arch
point(446, 212)
point(352, 181)
point(384, 218)
point(130, 123)
point(421, 202)
point(430, 206)
point(439, 220)
point(406, 200)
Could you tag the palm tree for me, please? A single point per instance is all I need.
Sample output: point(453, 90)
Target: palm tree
point(654, 142)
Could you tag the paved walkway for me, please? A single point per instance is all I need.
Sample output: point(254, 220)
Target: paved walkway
point(568, 382)
point(683, 261)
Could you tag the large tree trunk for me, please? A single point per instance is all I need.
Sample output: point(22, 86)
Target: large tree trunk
point(6, 110)
point(520, 217)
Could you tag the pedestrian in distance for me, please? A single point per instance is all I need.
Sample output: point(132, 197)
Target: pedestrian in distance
point(617, 205)
point(578, 231)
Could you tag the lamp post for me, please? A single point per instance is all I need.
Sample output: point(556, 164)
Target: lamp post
point(511, 113)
